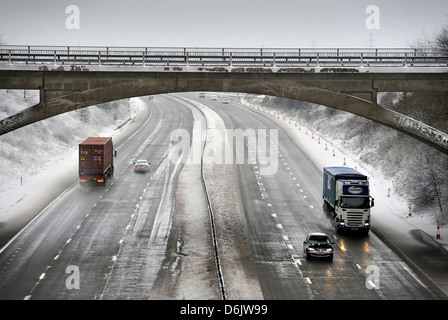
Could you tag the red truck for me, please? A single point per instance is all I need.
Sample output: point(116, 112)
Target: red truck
point(96, 161)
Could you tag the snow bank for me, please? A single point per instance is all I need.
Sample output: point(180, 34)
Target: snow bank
point(233, 246)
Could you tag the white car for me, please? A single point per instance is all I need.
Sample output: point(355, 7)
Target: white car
point(142, 166)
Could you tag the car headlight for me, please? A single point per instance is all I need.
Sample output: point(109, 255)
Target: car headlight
point(329, 250)
point(310, 249)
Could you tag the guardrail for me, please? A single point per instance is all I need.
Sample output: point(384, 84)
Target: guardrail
point(271, 57)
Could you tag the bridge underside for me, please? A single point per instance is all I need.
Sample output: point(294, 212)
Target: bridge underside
point(64, 91)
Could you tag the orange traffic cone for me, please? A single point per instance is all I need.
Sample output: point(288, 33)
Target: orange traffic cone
point(438, 231)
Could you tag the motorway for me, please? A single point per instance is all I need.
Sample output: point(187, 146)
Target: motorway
point(280, 209)
point(128, 239)
point(83, 232)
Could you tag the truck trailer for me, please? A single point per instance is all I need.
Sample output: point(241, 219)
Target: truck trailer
point(96, 160)
point(346, 192)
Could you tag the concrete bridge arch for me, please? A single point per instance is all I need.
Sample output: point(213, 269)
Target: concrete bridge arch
point(64, 91)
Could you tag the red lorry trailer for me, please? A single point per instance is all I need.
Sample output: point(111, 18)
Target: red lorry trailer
point(96, 160)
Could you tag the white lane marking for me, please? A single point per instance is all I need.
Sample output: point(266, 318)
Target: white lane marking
point(274, 215)
point(42, 276)
point(290, 247)
point(403, 264)
point(279, 226)
point(358, 266)
point(308, 280)
point(285, 238)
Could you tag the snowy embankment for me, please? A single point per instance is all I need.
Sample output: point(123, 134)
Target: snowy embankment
point(387, 157)
point(37, 161)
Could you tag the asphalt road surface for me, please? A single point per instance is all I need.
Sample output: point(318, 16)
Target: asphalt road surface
point(280, 209)
point(117, 241)
point(101, 239)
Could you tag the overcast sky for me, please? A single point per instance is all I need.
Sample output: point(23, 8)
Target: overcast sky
point(223, 23)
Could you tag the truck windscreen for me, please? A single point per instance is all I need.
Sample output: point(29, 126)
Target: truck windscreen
point(355, 202)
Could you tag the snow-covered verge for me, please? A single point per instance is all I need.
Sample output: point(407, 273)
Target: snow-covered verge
point(403, 172)
point(238, 267)
point(41, 151)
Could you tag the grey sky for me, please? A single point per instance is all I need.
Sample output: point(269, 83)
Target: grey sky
point(224, 23)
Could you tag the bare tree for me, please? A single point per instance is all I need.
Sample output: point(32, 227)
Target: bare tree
point(442, 38)
point(438, 41)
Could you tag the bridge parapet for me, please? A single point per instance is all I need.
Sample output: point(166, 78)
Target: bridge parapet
point(238, 57)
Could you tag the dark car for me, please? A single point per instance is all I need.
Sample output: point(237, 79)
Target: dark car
point(319, 245)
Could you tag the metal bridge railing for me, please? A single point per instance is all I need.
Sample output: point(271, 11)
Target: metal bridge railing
point(273, 57)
